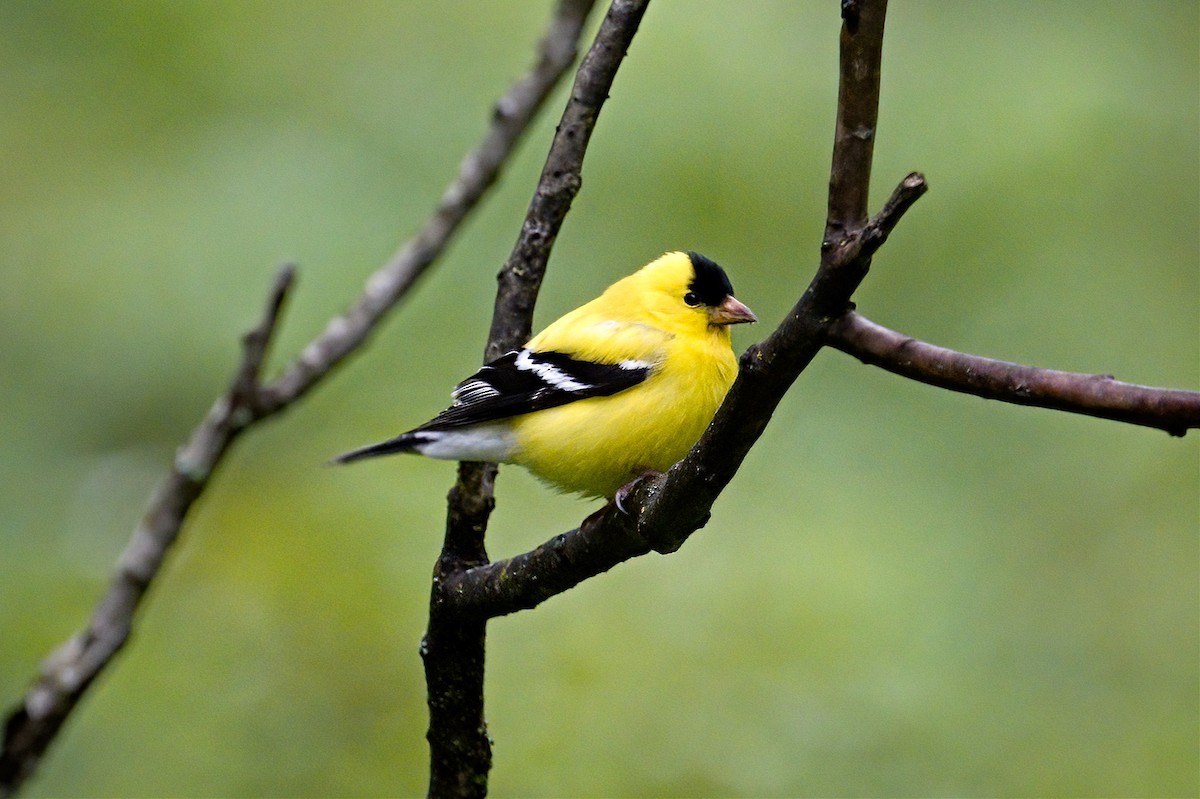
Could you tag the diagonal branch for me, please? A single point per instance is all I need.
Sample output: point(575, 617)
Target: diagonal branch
point(1173, 410)
point(476, 174)
point(562, 176)
point(453, 646)
point(67, 673)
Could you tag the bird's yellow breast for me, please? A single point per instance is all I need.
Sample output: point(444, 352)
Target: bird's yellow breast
point(594, 446)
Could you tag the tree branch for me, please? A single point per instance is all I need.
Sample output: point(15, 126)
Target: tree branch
point(1173, 410)
point(453, 646)
point(664, 511)
point(71, 668)
point(66, 674)
point(476, 174)
point(857, 114)
point(562, 176)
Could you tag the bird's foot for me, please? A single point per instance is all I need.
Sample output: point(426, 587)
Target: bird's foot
point(623, 491)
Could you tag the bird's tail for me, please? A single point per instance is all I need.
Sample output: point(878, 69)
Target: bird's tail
point(402, 443)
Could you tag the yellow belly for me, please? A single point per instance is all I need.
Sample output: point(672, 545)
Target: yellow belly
point(595, 446)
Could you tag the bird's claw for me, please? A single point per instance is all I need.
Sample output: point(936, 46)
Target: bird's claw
point(624, 491)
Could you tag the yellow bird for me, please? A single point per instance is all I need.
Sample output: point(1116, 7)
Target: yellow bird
point(618, 388)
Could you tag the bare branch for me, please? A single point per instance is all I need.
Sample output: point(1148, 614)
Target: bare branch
point(66, 674)
point(248, 383)
point(71, 668)
point(453, 647)
point(561, 179)
point(857, 115)
point(883, 223)
point(1173, 410)
point(665, 511)
point(524, 581)
point(476, 174)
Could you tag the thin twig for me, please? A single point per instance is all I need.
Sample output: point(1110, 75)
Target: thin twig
point(1173, 410)
point(247, 386)
point(453, 646)
point(66, 674)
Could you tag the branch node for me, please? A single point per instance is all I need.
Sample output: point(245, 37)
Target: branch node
point(246, 400)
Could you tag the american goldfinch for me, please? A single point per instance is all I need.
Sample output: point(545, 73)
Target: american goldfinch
point(618, 388)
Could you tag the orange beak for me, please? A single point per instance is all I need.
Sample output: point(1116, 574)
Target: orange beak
point(730, 312)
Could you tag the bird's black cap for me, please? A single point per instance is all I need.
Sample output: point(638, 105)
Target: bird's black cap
point(710, 284)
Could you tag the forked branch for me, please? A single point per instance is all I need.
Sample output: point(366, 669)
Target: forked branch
point(663, 512)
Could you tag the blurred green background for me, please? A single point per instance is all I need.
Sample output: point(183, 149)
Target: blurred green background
point(906, 592)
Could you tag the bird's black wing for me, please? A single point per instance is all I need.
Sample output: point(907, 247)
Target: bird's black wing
point(522, 381)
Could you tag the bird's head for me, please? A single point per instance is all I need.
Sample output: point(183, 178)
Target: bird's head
point(687, 292)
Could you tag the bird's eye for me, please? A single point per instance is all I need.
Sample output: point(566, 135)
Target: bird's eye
point(691, 299)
